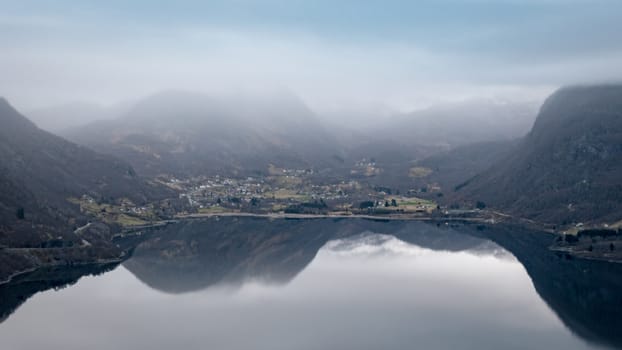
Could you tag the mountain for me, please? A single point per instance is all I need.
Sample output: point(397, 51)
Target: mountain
point(40, 171)
point(188, 133)
point(568, 168)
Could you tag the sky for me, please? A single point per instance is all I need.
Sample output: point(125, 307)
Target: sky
point(336, 55)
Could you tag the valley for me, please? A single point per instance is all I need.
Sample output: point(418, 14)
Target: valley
point(210, 167)
point(277, 175)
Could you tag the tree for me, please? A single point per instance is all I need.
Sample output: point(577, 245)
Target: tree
point(386, 204)
point(612, 247)
point(366, 204)
point(571, 238)
point(393, 202)
point(20, 213)
point(480, 205)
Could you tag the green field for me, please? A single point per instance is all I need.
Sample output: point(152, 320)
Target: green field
point(417, 172)
point(212, 210)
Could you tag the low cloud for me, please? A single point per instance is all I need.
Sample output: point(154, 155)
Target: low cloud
point(50, 58)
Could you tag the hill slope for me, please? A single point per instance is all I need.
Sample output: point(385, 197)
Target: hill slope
point(568, 168)
point(40, 171)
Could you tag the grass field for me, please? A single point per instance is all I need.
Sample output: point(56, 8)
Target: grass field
point(285, 181)
point(212, 210)
point(414, 204)
point(127, 220)
point(112, 213)
point(287, 194)
point(417, 172)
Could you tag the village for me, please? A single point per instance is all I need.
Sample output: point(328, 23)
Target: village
point(293, 191)
point(281, 192)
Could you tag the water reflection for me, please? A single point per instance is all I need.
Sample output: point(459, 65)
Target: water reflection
point(585, 294)
point(336, 284)
point(231, 251)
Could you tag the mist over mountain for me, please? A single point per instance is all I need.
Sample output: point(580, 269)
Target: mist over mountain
point(568, 168)
point(179, 132)
point(456, 124)
point(189, 133)
point(452, 142)
point(564, 170)
point(60, 117)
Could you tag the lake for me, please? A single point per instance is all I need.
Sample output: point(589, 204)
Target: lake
point(249, 283)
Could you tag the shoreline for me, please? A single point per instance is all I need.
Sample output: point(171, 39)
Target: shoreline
point(399, 217)
point(487, 217)
point(491, 218)
point(17, 274)
point(284, 216)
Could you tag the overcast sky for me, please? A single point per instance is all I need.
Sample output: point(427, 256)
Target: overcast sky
point(334, 54)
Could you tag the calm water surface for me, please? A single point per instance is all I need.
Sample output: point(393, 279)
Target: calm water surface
point(251, 284)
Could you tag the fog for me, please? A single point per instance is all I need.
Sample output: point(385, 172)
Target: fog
point(346, 60)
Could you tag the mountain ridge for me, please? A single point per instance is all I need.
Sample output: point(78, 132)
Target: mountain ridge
point(568, 168)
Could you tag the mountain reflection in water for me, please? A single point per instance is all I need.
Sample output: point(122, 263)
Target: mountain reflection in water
point(240, 253)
